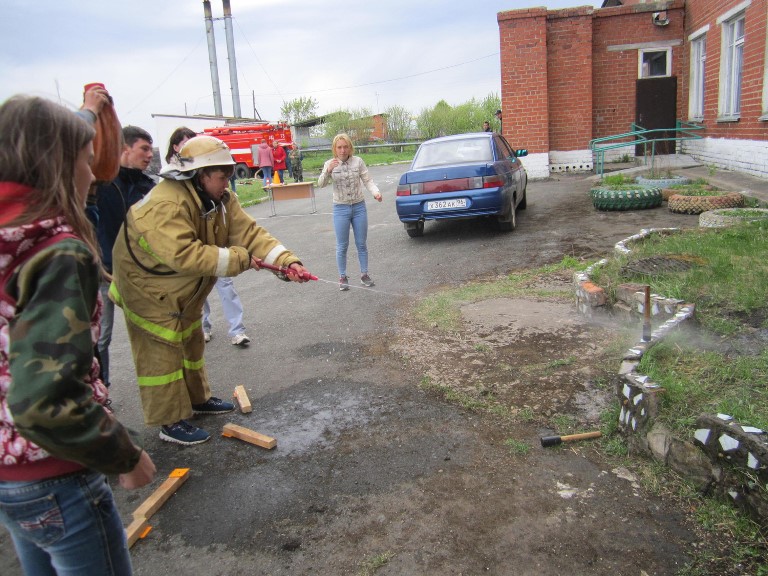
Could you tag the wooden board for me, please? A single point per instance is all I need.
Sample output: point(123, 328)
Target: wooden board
point(243, 433)
point(164, 491)
point(137, 529)
point(242, 399)
point(295, 191)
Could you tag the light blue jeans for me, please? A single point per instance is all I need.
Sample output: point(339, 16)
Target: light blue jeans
point(356, 216)
point(65, 526)
point(105, 338)
point(266, 172)
point(230, 303)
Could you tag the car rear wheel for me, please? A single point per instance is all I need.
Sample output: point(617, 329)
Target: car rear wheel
point(524, 202)
point(415, 229)
point(507, 223)
point(242, 171)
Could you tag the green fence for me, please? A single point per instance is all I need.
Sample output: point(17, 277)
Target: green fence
point(639, 136)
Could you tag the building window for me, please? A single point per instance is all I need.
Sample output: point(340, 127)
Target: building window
point(696, 95)
point(655, 63)
point(730, 68)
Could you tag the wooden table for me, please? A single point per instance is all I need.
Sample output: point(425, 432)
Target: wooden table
point(294, 191)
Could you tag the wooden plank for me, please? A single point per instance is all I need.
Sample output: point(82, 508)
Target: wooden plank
point(295, 191)
point(242, 399)
point(164, 491)
point(137, 529)
point(243, 433)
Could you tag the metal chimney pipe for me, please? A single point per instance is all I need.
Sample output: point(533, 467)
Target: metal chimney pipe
point(213, 61)
point(231, 57)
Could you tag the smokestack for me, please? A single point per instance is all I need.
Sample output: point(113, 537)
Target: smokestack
point(212, 57)
point(231, 58)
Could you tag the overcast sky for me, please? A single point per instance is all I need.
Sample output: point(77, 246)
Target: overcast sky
point(153, 54)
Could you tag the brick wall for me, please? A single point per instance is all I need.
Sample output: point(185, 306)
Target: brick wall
point(524, 90)
point(704, 13)
point(569, 78)
point(615, 71)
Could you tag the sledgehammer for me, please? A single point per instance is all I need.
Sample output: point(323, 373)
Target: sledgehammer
point(555, 440)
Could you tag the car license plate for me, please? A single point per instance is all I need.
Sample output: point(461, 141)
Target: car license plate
point(447, 204)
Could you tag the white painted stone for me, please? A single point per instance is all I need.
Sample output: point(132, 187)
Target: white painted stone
point(637, 399)
point(627, 391)
point(728, 443)
point(702, 435)
point(725, 417)
point(752, 462)
point(751, 430)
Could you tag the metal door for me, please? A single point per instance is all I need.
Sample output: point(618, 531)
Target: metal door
point(656, 107)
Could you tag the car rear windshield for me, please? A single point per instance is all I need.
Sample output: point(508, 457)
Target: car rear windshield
point(453, 152)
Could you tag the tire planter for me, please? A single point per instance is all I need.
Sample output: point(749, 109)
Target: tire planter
point(728, 217)
point(667, 192)
point(681, 204)
point(662, 182)
point(616, 200)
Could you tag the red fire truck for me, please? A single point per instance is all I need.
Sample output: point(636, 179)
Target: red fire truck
point(243, 138)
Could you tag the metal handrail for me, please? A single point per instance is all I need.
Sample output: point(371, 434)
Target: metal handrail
point(642, 136)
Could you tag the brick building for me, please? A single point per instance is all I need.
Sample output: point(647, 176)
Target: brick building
point(572, 75)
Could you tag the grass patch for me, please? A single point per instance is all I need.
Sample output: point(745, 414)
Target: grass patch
point(697, 382)
point(517, 447)
point(730, 286)
point(370, 566)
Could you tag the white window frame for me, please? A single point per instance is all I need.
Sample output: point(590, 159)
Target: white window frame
point(731, 67)
point(643, 51)
point(697, 77)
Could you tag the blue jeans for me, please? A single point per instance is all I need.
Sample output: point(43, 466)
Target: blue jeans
point(230, 303)
point(65, 526)
point(266, 172)
point(105, 338)
point(344, 216)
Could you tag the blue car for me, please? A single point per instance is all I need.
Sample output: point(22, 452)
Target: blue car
point(462, 176)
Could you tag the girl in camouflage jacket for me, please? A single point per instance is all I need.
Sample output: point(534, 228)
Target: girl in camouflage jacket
point(56, 438)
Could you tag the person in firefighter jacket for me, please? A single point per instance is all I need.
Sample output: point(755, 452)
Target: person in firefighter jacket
point(187, 231)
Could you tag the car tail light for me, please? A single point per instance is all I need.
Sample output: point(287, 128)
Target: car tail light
point(477, 182)
point(408, 189)
point(494, 181)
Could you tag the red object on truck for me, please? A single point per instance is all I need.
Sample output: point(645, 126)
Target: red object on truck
point(243, 138)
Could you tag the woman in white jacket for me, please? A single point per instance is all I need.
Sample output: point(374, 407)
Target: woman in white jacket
point(348, 172)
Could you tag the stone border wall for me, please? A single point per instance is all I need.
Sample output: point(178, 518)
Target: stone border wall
point(722, 453)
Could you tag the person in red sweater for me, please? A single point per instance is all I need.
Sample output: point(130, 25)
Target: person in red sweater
point(279, 154)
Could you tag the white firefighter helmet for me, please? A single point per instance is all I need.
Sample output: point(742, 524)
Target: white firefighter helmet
point(199, 152)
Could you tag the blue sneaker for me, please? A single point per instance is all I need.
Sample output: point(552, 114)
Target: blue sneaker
point(182, 432)
point(213, 406)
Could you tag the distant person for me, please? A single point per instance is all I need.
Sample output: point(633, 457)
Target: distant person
point(487, 126)
point(349, 174)
point(112, 202)
point(501, 123)
point(266, 162)
point(278, 152)
point(296, 159)
point(288, 165)
point(189, 231)
point(57, 439)
point(230, 299)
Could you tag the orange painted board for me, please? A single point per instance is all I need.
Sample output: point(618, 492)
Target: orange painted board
point(242, 399)
point(152, 504)
point(246, 435)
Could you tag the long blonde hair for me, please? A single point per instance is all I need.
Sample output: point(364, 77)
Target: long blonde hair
point(39, 144)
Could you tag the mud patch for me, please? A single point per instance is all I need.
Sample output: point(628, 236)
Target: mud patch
point(531, 358)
